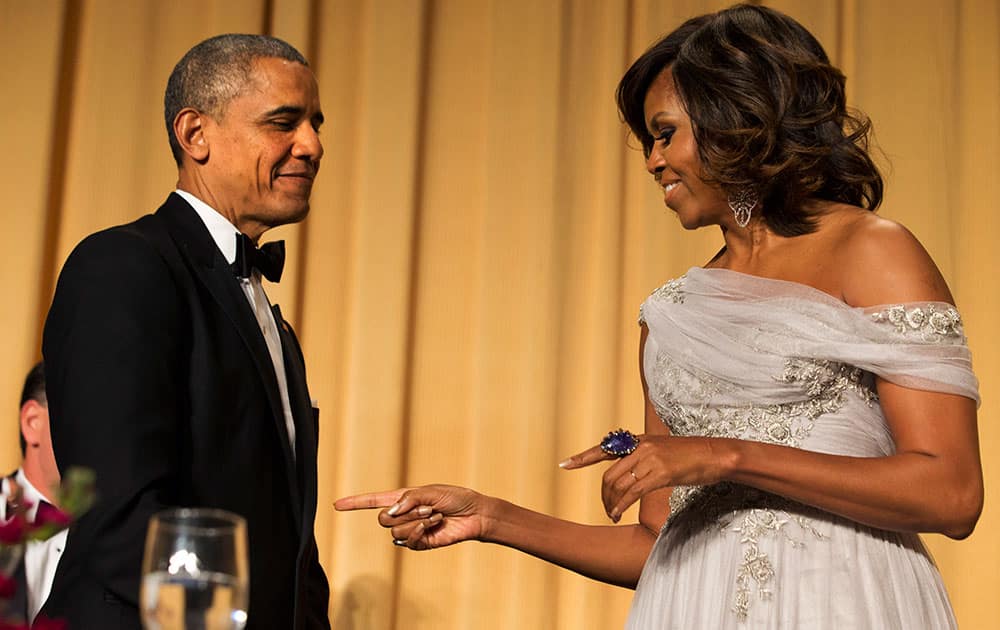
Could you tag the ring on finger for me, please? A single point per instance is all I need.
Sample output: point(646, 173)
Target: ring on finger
point(399, 542)
point(634, 478)
point(619, 443)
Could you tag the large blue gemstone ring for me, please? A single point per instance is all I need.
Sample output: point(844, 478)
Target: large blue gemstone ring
point(619, 443)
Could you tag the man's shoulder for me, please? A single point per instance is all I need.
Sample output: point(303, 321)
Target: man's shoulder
point(151, 226)
point(134, 267)
point(144, 252)
point(152, 235)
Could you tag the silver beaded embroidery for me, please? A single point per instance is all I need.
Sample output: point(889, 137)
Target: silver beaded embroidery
point(930, 323)
point(756, 570)
point(751, 513)
point(732, 509)
point(823, 383)
point(672, 291)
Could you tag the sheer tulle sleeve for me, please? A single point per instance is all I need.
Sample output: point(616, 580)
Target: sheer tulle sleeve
point(735, 332)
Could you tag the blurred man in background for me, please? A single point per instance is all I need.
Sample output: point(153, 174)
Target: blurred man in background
point(31, 487)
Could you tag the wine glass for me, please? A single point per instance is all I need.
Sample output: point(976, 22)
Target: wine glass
point(195, 573)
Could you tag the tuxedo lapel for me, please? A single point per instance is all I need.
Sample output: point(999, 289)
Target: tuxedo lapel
point(210, 268)
point(302, 410)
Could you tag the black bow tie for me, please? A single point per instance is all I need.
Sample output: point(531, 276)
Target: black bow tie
point(269, 259)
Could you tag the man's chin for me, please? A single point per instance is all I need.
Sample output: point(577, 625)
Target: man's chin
point(292, 214)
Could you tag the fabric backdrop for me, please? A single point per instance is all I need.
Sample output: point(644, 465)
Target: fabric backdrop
point(467, 283)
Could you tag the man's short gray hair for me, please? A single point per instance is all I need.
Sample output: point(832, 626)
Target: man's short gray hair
point(215, 72)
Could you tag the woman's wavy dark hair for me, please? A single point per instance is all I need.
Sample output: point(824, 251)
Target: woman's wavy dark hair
point(767, 110)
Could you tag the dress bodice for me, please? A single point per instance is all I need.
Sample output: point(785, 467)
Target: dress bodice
point(733, 355)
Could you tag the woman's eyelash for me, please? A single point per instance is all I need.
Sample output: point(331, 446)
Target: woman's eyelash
point(665, 135)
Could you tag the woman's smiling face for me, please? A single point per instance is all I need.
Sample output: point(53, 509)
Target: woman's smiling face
point(673, 159)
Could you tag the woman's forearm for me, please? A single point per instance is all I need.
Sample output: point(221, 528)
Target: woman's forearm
point(910, 491)
point(614, 554)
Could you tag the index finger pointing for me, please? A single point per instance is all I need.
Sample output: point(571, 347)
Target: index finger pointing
point(369, 501)
point(588, 457)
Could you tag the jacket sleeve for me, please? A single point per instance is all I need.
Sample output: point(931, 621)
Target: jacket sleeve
point(111, 355)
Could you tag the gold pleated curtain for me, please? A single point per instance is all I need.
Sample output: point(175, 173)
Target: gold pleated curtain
point(467, 283)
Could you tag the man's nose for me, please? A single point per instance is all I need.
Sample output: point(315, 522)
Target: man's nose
point(307, 144)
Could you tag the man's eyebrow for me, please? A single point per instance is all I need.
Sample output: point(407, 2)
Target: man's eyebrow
point(284, 109)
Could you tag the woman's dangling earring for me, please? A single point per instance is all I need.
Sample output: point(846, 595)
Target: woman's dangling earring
point(742, 203)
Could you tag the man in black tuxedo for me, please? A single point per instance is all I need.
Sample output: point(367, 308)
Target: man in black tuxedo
point(169, 373)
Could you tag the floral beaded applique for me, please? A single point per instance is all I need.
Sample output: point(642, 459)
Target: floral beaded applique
point(753, 515)
point(672, 291)
point(756, 570)
point(934, 323)
point(825, 385)
point(749, 513)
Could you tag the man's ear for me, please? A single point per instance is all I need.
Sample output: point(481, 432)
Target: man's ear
point(33, 422)
point(189, 127)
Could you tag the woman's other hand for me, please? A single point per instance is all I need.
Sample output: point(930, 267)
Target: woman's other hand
point(426, 517)
point(659, 461)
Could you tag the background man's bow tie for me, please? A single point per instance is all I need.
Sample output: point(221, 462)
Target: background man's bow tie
point(269, 259)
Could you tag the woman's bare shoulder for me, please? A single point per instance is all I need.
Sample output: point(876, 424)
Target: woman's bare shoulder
point(882, 262)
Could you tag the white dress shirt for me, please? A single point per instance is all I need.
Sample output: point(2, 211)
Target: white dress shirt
point(224, 234)
point(41, 557)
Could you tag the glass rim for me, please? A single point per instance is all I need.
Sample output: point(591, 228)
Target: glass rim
point(187, 519)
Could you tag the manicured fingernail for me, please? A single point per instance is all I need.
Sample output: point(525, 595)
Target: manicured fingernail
point(424, 510)
point(566, 462)
point(436, 518)
point(392, 511)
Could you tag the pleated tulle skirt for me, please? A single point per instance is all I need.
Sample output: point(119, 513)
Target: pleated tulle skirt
point(782, 569)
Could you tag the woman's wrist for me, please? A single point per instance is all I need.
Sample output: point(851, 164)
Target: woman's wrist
point(729, 457)
point(492, 513)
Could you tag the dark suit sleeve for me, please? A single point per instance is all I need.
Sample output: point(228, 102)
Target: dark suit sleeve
point(111, 355)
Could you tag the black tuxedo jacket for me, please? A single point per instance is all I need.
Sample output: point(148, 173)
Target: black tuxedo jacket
point(159, 380)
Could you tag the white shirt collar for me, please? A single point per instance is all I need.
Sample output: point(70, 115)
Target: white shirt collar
point(31, 493)
point(222, 231)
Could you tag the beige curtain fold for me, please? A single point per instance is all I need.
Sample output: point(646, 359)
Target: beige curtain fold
point(467, 283)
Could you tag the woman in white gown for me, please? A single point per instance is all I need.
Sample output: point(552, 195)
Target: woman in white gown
point(810, 404)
